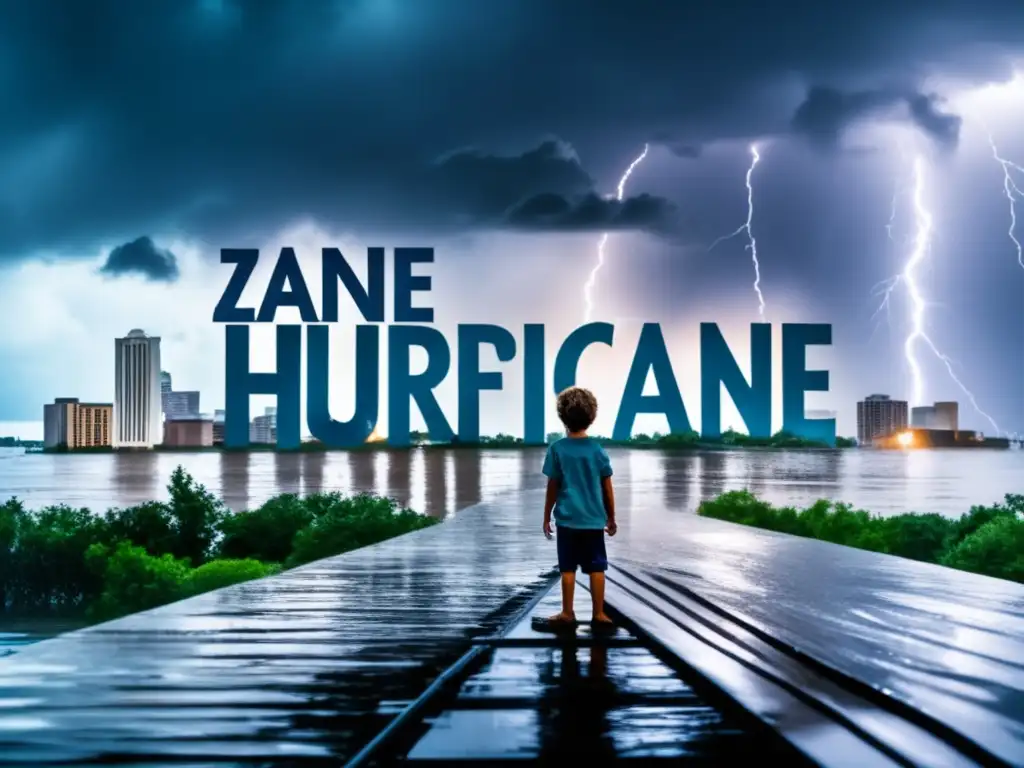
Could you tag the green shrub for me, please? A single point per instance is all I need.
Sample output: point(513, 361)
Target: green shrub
point(979, 516)
point(223, 573)
point(134, 580)
point(994, 549)
point(267, 533)
point(351, 523)
point(917, 537)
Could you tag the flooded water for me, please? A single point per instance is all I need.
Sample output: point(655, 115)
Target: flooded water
point(438, 482)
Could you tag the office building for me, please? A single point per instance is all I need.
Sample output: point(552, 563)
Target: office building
point(137, 411)
point(878, 416)
point(218, 427)
point(263, 429)
point(943, 415)
point(947, 415)
point(181, 405)
point(922, 417)
point(188, 433)
point(68, 423)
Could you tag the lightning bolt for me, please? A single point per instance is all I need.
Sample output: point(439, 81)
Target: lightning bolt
point(887, 286)
point(751, 246)
point(588, 288)
point(1013, 194)
point(921, 247)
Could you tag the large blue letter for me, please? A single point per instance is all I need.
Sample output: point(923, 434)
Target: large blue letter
point(651, 355)
point(533, 384)
point(568, 357)
point(227, 310)
point(796, 380)
point(718, 366)
point(406, 283)
point(342, 434)
point(369, 300)
point(241, 383)
point(287, 273)
point(472, 381)
point(403, 387)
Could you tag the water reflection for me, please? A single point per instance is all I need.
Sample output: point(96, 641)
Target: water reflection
point(574, 708)
point(136, 473)
point(439, 482)
point(234, 479)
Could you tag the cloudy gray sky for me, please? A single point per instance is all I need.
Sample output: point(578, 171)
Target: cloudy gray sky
point(139, 138)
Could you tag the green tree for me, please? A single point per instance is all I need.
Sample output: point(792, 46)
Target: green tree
point(149, 525)
point(196, 514)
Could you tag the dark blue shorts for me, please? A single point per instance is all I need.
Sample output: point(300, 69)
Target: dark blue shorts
point(581, 548)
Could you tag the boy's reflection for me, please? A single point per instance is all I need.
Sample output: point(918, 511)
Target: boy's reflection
point(574, 708)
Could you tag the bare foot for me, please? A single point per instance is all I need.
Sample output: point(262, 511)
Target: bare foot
point(562, 618)
point(601, 618)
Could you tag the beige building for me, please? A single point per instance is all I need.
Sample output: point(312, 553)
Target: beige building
point(67, 423)
point(188, 433)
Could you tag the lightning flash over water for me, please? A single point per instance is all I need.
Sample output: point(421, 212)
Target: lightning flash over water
point(1013, 194)
point(755, 158)
point(588, 288)
point(921, 246)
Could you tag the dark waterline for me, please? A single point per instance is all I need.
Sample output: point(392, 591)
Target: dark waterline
point(439, 482)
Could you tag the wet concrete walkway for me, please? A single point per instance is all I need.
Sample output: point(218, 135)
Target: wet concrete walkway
point(308, 666)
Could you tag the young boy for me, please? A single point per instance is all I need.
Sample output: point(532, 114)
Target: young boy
point(580, 493)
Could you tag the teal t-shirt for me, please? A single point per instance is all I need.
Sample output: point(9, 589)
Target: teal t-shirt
point(578, 464)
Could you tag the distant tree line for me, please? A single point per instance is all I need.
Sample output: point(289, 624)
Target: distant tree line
point(987, 539)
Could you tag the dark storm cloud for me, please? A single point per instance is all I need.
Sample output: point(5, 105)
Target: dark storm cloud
point(927, 114)
point(544, 188)
point(554, 212)
point(217, 119)
point(828, 112)
point(677, 147)
point(142, 257)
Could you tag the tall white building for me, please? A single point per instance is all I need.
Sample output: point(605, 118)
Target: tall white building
point(137, 407)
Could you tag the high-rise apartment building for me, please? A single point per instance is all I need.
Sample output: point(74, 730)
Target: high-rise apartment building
point(137, 382)
point(263, 429)
point(181, 405)
point(878, 416)
point(67, 423)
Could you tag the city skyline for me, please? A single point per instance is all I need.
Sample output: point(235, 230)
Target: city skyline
point(865, 159)
point(184, 406)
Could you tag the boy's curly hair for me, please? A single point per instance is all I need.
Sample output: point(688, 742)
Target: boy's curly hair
point(577, 408)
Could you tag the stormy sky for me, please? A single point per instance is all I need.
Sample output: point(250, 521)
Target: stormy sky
point(140, 138)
